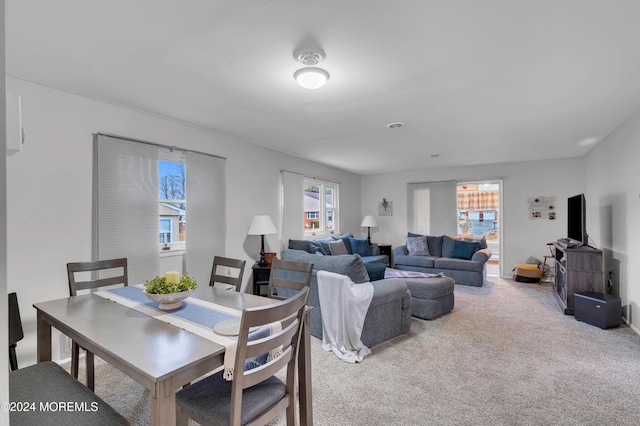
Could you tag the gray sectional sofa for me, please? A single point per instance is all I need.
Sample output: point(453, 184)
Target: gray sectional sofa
point(463, 260)
point(389, 313)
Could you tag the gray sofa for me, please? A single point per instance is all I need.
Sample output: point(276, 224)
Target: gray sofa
point(389, 313)
point(463, 260)
point(334, 244)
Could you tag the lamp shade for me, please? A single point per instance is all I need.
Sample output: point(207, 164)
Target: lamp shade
point(262, 225)
point(369, 221)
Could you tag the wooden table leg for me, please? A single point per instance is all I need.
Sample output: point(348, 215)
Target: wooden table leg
point(304, 373)
point(163, 403)
point(44, 339)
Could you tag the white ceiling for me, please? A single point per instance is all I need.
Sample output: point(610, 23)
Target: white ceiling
point(475, 82)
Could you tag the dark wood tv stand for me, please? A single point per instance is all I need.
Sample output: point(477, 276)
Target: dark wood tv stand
point(578, 269)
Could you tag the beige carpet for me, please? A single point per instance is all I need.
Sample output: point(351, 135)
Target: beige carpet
point(504, 356)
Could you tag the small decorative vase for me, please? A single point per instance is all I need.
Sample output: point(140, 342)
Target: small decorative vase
point(269, 257)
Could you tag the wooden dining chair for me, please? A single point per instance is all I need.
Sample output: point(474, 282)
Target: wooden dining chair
point(15, 330)
point(256, 395)
point(116, 274)
point(288, 274)
point(234, 264)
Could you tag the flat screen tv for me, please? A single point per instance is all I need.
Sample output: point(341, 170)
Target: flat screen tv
point(577, 219)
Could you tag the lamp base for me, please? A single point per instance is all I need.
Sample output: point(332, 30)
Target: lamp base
point(262, 262)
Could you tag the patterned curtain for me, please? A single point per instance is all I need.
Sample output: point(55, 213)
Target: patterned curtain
point(478, 200)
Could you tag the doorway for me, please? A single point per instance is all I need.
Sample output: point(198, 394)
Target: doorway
point(479, 215)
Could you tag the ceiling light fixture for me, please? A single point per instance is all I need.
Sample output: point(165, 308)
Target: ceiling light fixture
point(395, 125)
point(310, 77)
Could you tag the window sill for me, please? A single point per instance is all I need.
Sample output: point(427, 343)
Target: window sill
point(171, 253)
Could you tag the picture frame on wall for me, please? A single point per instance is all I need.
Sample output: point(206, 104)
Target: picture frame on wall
point(385, 208)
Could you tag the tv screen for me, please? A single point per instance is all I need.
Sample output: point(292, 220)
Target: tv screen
point(576, 219)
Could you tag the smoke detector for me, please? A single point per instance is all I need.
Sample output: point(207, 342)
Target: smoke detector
point(395, 125)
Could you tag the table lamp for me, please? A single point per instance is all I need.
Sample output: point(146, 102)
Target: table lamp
point(262, 225)
point(369, 221)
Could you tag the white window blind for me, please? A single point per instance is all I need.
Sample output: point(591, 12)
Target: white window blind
point(432, 207)
point(292, 207)
point(206, 213)
point(126, 205)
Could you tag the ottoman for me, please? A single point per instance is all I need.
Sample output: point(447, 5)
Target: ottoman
point(430, 297)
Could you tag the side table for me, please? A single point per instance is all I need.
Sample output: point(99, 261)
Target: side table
point(260, 279)
point(385, 249)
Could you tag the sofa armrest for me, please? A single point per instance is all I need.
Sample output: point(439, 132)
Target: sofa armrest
point(374, 251)
point(401, 251)
point(387, 290)
point(482, 255)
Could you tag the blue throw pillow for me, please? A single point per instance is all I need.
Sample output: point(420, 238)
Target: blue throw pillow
point(375, 270)
point(360, 246)
point(465, 249)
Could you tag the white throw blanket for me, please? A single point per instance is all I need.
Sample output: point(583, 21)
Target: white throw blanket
point(344, 306)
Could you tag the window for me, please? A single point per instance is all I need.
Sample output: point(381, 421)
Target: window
point(129, 212)
point(172, 180)
point(320, 207)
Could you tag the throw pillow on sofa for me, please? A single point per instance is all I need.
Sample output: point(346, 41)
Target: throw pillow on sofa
point(375, 270)
point(417, 246)
point(360, 246)
point(465, 249)
point(345, 240)
point(337, 248)
point(434, 243)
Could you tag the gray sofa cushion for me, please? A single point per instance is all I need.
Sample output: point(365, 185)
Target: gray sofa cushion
point(420, 261)
point(447, 245)
point(350, 265)
point(458, 264)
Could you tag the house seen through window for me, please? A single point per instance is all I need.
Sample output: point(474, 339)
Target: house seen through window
point(320, 207)
point(172, 179)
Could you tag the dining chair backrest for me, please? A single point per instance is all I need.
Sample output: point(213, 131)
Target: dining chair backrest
point(117, 266)
point(289, 313)
point(15, 330)
point(258, 364)
point(116, 273)
point(288, 274)
point(235, 265)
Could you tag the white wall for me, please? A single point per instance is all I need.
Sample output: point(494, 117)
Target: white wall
point(49, 189)
point(522, 237)
point(613, 206)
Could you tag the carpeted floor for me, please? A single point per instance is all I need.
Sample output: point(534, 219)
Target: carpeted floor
point(504, 356)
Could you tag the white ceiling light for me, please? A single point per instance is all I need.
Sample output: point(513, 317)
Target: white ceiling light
point(310, 77)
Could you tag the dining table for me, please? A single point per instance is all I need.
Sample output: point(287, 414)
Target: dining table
point(159, 355)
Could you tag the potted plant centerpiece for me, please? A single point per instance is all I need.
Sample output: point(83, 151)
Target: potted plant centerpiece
point(170, 290)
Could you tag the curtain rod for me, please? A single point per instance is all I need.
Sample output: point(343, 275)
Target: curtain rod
point(169, 147)
point(312, 177)
point(457, 181)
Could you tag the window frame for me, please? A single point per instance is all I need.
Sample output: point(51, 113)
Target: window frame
point(175, 244)
point(325, 212)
